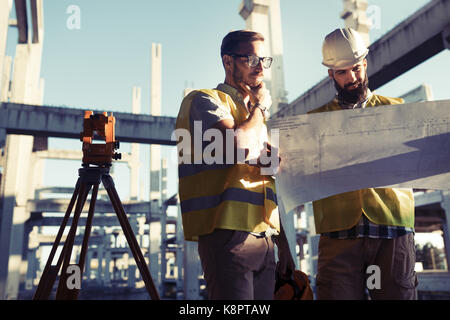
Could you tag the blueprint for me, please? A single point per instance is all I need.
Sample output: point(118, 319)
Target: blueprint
point(323, 154)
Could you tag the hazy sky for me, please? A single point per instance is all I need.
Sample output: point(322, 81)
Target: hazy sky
point(97, 65)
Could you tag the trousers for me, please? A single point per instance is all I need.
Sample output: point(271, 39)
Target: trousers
point(349, 269)
point(237, 265)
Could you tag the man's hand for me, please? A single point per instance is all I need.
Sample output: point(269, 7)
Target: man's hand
point(268, 159)
point(286, 264)
point(258, 95)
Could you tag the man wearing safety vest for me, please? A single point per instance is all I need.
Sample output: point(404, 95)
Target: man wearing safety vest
point(366, 236)
point(228, 204)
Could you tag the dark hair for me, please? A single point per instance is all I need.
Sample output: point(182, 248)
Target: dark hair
point(232, 41)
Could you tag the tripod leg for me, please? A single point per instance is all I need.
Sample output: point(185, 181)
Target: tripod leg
point(64, 292)
point(131, 239)
point(88, 228)
point(68, 245)
point(50, 273)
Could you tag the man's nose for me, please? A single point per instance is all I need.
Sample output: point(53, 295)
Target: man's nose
point(351, 77)
point(259, 66)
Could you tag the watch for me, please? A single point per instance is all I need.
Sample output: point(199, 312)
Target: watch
point(263, 109)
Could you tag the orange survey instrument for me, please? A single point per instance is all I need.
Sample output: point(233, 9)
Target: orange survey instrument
point(100, 153)
point(97, 160)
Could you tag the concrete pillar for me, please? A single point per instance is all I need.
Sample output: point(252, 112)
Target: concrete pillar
point(141, 230)
point(155, 110)
point(32, 261)
point(279, 93)
point(131, 275)
point(163, 179)
point(134, 163)
point(155, 166)
point(163, 260)
point(100, 254)
point(313, 244)
point(87, 272)
point(107, 246)
point(107, 277)
point(18, 181)
point(179, 258)
point(2, 145)
point(355, 17)
point(445, 204)
point(5, 78)
point(5, 9)
point(287, 219)
point(264, 16)
point(134, 224)
point(18, 177)
point(155, 251)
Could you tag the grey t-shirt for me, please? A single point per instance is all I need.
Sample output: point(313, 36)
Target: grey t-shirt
point(208, 110)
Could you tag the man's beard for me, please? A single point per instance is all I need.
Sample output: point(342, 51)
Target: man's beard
point(355, 95)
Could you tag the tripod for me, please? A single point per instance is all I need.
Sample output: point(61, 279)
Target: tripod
point(88, 177)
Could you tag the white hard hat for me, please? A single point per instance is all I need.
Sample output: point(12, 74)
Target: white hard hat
point(343, 48)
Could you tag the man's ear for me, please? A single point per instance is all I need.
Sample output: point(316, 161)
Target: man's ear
point(331, 73)
point(227, 62)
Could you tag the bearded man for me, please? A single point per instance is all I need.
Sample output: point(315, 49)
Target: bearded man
point(366, 241)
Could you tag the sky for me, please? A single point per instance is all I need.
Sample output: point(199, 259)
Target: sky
point(96, 65)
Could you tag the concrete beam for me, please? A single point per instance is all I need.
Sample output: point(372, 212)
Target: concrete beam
point(446, 37)
point(101, 206)
point(434, 281)
point(427, 198)
point(98, 221)
point(2, 138)
point(22, 20)
point(61, 154)
point(68, 123)
point(5, 9)
point(39, 192)
point(410, 43)
point(37, 20)
point(48, 240)
point(421, 93)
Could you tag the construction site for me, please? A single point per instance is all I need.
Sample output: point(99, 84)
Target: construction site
point(31, 212)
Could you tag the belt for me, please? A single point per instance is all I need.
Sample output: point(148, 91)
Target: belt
point(265, 234)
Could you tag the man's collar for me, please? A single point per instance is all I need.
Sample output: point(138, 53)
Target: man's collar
point(232, 92)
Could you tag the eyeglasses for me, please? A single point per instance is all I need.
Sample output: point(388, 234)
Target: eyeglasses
point(253, 60)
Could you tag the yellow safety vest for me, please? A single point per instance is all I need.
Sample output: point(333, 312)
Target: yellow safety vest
point(224, 196)
point(384, 206)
